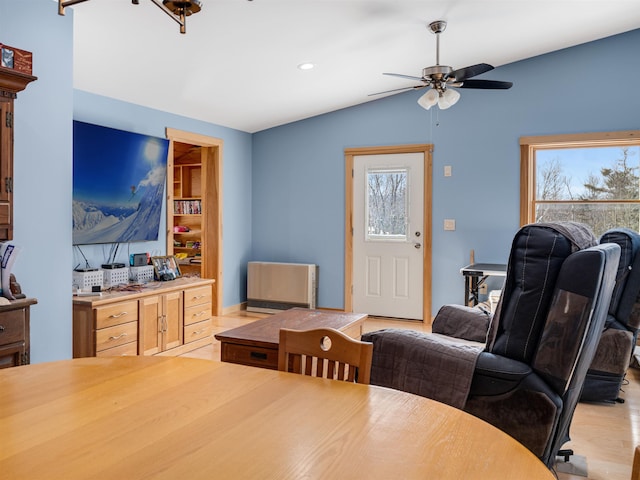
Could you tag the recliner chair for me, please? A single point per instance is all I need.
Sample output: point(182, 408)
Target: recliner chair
point(542, 338)
point(615, 349)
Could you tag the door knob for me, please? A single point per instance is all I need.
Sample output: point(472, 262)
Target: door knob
point(417, 245)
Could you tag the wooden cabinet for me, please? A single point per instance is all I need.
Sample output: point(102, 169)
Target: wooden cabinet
point(11, 82)
point(160, 319)
point(117, 329)
point(14, 333)
point(161, 322)
point(197, 314)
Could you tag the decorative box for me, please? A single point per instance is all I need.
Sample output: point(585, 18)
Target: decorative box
point(19, 60)
point(142, 274)
point(116, 276)
point(86, 280)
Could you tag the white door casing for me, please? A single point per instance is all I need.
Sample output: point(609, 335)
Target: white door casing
point(388, 234)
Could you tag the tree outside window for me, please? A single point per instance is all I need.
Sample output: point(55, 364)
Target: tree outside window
point(591, 178)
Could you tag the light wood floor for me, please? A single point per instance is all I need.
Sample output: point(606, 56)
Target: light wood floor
point(606, 435)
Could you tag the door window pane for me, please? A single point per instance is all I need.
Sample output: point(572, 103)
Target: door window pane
point(387, 204)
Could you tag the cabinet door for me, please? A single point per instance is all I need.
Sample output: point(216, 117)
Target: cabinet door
point(151, 325)
point(173, 320)
point(6, 168)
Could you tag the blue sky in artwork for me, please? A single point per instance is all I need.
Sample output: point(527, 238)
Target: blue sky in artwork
point(111, 166)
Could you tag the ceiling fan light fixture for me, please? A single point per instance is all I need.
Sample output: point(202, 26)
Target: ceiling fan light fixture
point(187, 7)
point(448, 98)
point(429, 99)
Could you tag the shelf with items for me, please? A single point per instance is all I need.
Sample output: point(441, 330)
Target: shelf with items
point(187, 207)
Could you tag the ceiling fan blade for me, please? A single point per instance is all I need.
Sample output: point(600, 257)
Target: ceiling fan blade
point(397, 90)
point(418, 79)
point(471, 71)
point(486, 84)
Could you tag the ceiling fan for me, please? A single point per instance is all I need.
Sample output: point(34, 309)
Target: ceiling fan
point(442, 77)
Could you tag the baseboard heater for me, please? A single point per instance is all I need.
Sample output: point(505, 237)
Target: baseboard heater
point(273, 287)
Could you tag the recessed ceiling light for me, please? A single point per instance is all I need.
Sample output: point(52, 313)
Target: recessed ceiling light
point(306, 66)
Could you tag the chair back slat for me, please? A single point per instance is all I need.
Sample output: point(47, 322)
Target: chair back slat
point(325, 353)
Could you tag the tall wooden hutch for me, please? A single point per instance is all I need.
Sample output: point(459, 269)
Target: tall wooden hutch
point(14, 317)
point(11, 82)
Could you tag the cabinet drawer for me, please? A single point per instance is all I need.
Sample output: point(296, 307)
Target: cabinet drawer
point(249, 355)
point(12, 327)
point(130, 348)
point(197, 296)
point(197, 313)
point(122, 312)
point(5, 213)
point(196, 331)
point(114, 336)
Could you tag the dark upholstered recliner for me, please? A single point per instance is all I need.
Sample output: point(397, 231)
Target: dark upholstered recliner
point(528, 378)
point(615, 349)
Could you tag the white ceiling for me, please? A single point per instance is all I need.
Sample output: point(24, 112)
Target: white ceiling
point(237, 64)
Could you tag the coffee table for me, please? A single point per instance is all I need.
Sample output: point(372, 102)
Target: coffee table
point(256, 344)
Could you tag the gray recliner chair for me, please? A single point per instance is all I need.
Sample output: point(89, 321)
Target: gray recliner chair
point(528, 378)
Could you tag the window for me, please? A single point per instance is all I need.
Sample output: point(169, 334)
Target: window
point(387, 204)
point(589, 178)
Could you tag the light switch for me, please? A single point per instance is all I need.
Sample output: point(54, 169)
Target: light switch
point(447, 170)
point(449, 224)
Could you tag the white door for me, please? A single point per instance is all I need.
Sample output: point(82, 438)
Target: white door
point(388, 216)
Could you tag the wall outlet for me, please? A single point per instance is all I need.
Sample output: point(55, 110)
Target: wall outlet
point(449, 224)
point(483, 289)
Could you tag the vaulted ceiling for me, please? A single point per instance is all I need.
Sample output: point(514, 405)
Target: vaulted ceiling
point(237, 65)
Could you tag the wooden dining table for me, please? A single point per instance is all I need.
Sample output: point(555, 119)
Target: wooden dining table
point(183, 419)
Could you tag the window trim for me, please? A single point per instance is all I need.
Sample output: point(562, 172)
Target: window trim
point(529, 145)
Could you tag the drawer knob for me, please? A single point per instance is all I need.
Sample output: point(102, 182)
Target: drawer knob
point(118, 315)
point(1, 328)
point(117, 337)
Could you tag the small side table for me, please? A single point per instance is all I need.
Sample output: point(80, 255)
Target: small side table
point(14, 333)
point(475, 275)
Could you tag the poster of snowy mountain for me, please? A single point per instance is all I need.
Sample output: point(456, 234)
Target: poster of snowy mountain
point(118, 185)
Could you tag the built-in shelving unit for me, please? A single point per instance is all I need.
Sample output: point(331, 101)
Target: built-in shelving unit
point(189, 227)
point(194, 230)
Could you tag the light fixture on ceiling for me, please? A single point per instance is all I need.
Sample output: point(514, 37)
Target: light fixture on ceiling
point(306, 66)
point(444, 99)
point(444, 80)
point(176, 9)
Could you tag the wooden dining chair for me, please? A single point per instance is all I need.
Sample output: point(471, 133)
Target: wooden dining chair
point(326, 353)
point(635, 472)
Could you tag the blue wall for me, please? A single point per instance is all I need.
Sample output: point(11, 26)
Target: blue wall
point(42, 171)
point(298, 169)
point(284, 187)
